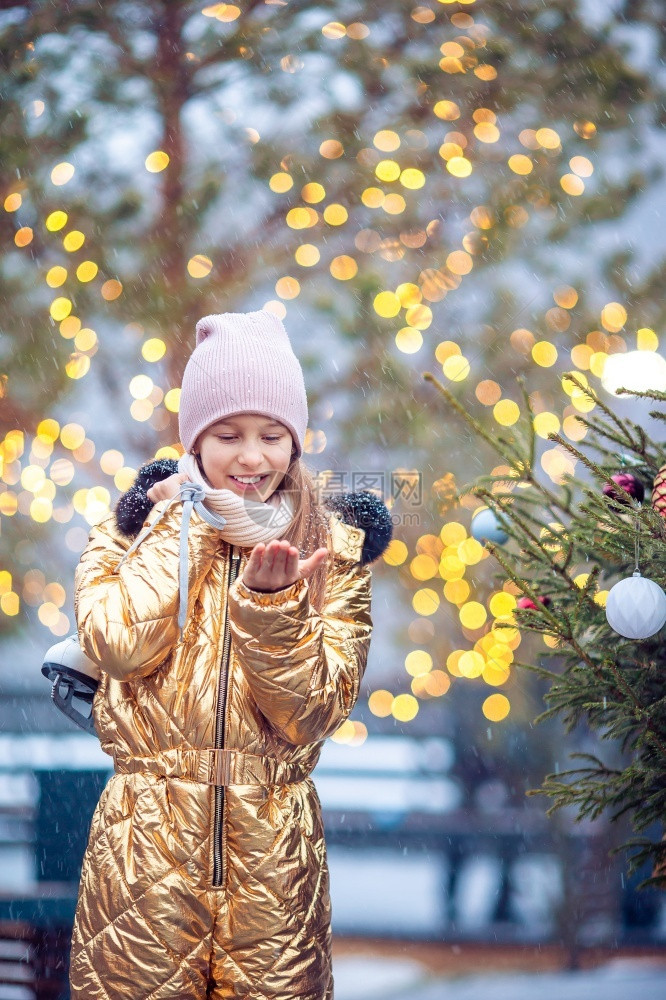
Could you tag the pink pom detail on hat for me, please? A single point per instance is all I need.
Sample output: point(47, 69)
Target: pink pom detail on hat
point(242, 363)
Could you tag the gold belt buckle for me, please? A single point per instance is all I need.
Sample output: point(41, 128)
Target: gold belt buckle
point(221, 767)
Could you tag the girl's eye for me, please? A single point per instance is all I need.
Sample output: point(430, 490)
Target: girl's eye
point(232, 437)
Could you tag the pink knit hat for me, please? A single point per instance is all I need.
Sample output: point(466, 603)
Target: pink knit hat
point(242, 363)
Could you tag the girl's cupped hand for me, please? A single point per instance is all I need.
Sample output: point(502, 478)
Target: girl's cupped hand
point(270, 567)
point(276, 565)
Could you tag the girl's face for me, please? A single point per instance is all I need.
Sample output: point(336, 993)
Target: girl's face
point(247, 446)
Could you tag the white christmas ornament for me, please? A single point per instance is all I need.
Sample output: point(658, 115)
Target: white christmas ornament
point(636, 607)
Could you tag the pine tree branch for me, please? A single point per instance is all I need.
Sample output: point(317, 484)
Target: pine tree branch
point(519, 463)
point(595, 469)
point(643, 394)
point(515, 528)
point(592, 395)
point(538, 544)
point(528, 591)
point(641, 711)
point(515, 460)
point(530, 410)
point(599, 427)
point(550, 675)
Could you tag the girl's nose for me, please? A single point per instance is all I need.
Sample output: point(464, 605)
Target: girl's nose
point(250, 455)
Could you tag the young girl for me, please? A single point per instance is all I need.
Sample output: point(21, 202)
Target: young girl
point(231, 634)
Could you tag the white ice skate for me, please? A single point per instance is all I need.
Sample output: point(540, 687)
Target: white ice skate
point(73, 675)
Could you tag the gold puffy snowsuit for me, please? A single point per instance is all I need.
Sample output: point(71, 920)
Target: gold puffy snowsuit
point(205, 873)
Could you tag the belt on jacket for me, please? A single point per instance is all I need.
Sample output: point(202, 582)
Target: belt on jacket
point(214, 767)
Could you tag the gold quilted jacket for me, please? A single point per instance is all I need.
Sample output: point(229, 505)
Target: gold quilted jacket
point(205, 873)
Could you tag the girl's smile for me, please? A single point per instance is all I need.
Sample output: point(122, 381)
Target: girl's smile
point(249, 483)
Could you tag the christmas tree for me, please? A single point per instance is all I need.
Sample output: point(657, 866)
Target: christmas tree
point(566, 553)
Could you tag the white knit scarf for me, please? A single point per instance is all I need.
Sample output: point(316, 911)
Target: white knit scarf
point(247, 521)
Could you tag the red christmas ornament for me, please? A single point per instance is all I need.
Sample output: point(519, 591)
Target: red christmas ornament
point(527, 602)
point(624, 482)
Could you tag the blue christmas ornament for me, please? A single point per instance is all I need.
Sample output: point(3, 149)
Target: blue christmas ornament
point(486, 528)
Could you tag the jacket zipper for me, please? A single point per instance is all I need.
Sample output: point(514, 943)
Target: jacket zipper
point(234, 562)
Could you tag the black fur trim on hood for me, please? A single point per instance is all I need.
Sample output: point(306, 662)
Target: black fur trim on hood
point(363, 509)
point(134, 506)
